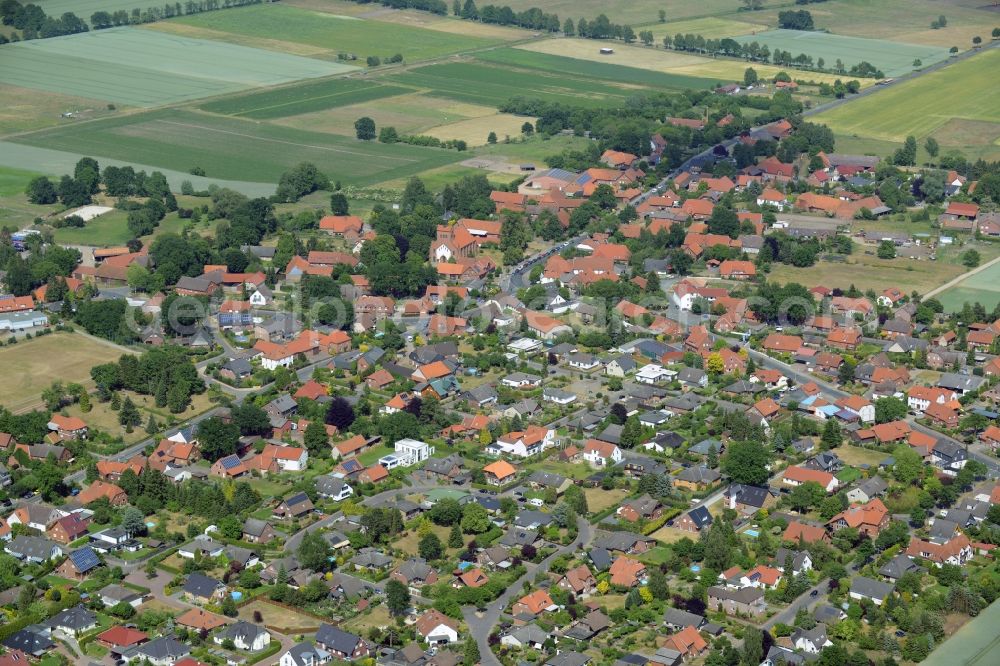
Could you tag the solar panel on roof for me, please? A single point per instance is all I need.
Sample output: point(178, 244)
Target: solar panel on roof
point(84, 559)
point(229, 462)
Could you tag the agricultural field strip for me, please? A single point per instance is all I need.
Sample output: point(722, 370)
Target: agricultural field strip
point(160, 68)
point(281, 141)
point(966, 89)
point(526, 58)
point(302, 98)
point(893, 58)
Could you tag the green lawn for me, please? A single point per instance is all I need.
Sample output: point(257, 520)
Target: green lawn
point(239, 149)
point(335, 33)
point(983, 287)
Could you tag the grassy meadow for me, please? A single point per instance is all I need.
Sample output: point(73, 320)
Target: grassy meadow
point(302, 98)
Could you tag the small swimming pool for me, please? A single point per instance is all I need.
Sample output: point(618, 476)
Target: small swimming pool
point(695, 568)
point(752, 532)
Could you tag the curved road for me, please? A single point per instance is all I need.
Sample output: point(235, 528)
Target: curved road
point(481, 624)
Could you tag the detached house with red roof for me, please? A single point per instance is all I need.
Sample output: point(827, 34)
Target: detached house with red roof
point(68, 427)
point(796, 476)
point(869, 519)
point(348, 227)
point(737, 270)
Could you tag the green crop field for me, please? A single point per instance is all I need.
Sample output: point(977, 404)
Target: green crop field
point(927, 106)
point(893, 58)
point(146, 68)
point(239, 149)
point(302, 98)
point(984, 287)
point(574, 67)
point(13, 181)
point(481, 83)
point(896, 20)
point(84, 8)
point(335, 33)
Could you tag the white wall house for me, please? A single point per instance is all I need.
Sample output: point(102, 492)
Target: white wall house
point(413, 451)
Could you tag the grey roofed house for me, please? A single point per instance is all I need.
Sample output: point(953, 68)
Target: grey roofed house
point(163, 649)
point(519, 537)
point(255, 527)
point(623, 542)
point(532, 520)
point(942, 530)
point(699, 474)
point(194, 283)
point(703, 447)
point(547, 479)
point(668, 440)
point(645, 391)
point(778, 655)
point(743, 386)
point(557, 395)
point(640, 465)
point(118, 594)
point(330, 486)
point(568, 658)
point(589, 626)
point(84, 559)
point(349, 587)
point(337, 639)
point(872, 487)
point(33, 640)
point(524, 408)
point(284, 404)
point(371, 558)
point(898, 566)
point(677, 619)
point(687, 402)
point(790, 560)
point(694, 376)
point(307, 654)
point(482, 395)
point(626, 363)
point(74, 620)
point(658, 265)
point(654, 418)
point(587, 421)
point(240, 367)
point(242, 555)
point(530, 634)
point(826, 461)
point(247, 631)
point(870, 588)
point(415, 568)
point(200, 585)
point(959, 383)
point(750, 495)
point(259, 251)
point(601, 558)
point(35, 549)
point(827, 613)
point(700, 517)
point(612, 434)
point(444, 465)
point(562, 349)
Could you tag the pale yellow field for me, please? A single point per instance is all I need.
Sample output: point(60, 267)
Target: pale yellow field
point(409, 114)
point(659, 60)
point(732, 70)
point(709, 27)
point(670, 62)
point(197, 32)
point(474, 131)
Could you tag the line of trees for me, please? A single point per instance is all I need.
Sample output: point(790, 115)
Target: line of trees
point(756, 52)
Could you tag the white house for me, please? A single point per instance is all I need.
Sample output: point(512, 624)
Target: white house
point(558, 396)
point(602, 454)
point(518, 380)
point(654, 374)
point(245, 636)
point(436, 628)
point(305, 654)
point(524, 444)
point(261, 296)
point(413, 451)
point(811, 641)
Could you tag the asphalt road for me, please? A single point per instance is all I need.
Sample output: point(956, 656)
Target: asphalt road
point(482, 624)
